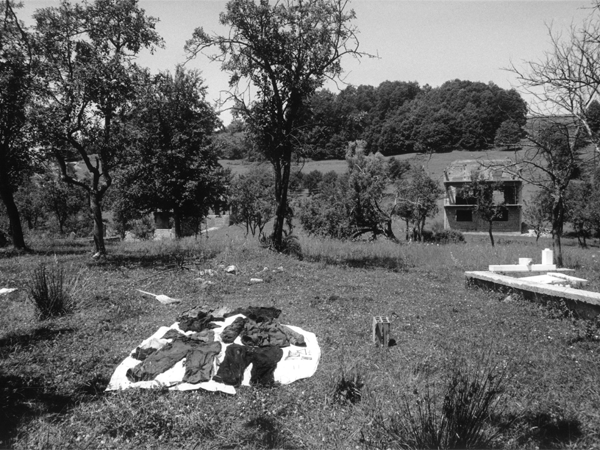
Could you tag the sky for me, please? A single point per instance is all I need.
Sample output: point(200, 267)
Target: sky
point(427, 41)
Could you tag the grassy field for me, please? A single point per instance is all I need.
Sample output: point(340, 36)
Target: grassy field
point(53, 373)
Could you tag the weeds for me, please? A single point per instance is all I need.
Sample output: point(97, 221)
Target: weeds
point(49, 292)
point(457, 417)
point(348, 388)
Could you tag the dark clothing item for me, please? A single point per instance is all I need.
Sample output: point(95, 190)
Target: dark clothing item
point(159, 362)
point(198, 324)
point(199, 362)
point(229, 334)
point(270, 333)
point(196, 319)
point(202, 336)
point(231, 370)
point(142, 353)
point(257, 313)
point(201, 356)
point(264, 362)
point(237, 357)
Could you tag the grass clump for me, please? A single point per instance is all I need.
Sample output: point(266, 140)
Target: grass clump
point(348, 388)
point(49, 292)
point(459, 414)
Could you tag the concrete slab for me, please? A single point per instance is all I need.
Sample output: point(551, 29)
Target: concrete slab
point(572, 281)
point(545, 279)
point(584, 304)
point(522, 268)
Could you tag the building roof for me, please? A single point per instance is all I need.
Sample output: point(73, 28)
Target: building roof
point(490, 169)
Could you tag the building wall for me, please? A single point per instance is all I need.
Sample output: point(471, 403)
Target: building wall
point(513, 224)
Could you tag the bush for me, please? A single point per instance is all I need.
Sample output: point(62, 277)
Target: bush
point(443, 237)
point(49, 292)
point(143, 228)
point(290, 245)
point(448, 237)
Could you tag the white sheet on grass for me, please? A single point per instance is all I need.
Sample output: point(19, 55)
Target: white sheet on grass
point(296, 363)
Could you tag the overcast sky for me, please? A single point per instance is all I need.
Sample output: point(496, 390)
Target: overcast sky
point(425, 41)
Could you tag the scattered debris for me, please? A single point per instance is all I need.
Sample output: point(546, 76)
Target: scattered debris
point(231, 269)
point(256, 280)
point(208, 272)
point(164, 299)
point(7, 290)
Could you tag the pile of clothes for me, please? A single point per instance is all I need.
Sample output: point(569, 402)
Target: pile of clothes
point(219, 351)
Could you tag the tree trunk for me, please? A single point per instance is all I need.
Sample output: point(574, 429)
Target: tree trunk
point(389, 233)
point(406, 221)
point(177, 223)
point(96, 211)
point(282, 199)
point(490, 232)
point(12, 211)
point(558, 214)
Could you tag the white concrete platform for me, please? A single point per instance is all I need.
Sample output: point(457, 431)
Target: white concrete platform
point(585, 303)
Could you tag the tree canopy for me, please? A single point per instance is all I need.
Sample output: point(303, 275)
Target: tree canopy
point(172, 166)
point(88, 54)
point(285, 50)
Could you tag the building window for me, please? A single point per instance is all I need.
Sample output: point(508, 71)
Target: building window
point(464, 215)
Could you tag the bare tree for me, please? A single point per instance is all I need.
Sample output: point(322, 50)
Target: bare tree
point(566, 79)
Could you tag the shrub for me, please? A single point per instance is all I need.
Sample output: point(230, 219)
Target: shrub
point(143, 228)
point(448, 237)
point(49, 292)
point(458, 418)
point(348, 388)
point(290, 244)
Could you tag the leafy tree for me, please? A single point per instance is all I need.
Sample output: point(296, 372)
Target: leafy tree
point(417, 196)
point(537, 213)
point(578, 211)
point(508, 134)
point(88, 54)
point(231, 142)
point(312, 181)
point(252, 199)
point(60, 200)
point(17, 78)
point(172, 167)
point(552, 158)
point(286, 50)
point(354, 204)
point(484, 195)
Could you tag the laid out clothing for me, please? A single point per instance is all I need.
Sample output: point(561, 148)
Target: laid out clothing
point(238, 357)
point(199, 360)
point(261, 335)
point(203, 336)
point(270, 333)
point(256, 313)
point(199, 363)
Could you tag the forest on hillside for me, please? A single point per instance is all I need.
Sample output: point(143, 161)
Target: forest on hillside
point(399, 117)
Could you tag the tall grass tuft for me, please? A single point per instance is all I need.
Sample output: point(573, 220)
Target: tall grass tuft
point(457, 417)
point(49, 292)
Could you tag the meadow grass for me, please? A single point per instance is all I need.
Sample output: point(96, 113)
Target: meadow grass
point(53, 373)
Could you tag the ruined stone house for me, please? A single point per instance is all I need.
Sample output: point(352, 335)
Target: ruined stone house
point(459, 212)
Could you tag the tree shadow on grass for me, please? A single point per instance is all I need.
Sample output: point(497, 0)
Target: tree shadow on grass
point(266, 432)
point(24, 396)
point(15, 341)
point(364, 262)
point(167, 260)
point(544, 429)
